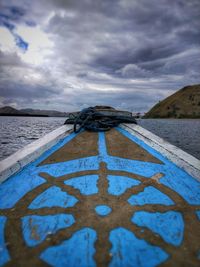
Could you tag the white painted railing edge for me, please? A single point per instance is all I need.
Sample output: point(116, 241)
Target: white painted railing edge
point(181, 158)
point(32, 151)
point(29, 153)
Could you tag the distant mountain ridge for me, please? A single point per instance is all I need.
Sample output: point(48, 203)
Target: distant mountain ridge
point(10, 111)
point(50, 113)
point(185, 103)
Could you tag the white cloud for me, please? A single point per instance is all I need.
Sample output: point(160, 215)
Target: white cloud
point(40, 46)
point(94, 51)
point(7, 41)
point(132, 70)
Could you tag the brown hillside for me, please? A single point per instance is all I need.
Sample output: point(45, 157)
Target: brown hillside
point(11, 111)
point(185, 103)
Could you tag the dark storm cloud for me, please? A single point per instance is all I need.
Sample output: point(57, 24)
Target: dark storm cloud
point(131, 101)
point(122, 53)
point(11, 13)
point(25, 95)
point(159, 32)
point(21, 91)
point(9, 59)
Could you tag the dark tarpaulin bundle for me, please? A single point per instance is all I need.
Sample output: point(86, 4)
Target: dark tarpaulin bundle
point(99, 118)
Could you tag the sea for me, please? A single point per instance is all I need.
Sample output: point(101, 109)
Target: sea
point(16, 132)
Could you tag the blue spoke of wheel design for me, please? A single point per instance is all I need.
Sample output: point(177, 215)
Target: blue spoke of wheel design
point(139, 253)
point(36, 228)
point(169, 225)
point(4, 256)
point(53, 197)
point(77, 251)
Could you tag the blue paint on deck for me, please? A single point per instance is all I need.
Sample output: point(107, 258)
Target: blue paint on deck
point(198, 214)
point(4, 256)
point(54, 148)
point(103, 210)
point(145, 169)
point(175, 178)
point(53, 197)
point(37, 228)
point(169, 225)
point(68, 167)
point(127, 250)
point(13, 189)
point(78, 251)
point(150, 195)
point(63, 168)
point(87, 184)
point(119, 184)
point(183, 184)
point(134, 166)
point(102, 146)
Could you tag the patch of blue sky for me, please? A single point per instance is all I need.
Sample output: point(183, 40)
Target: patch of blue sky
point(4, 256)
point(128, 250)
point(150, 195)
point(169, 225)
point(87, 184)
point(21, 43)
point(119, 184)
point(6, 24)
point(5, 20)
point(48, 199)
point(66, 254)
point(36, 228)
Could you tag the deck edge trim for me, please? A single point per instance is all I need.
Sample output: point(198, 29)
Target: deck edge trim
point(179, 157)
point(30, 152)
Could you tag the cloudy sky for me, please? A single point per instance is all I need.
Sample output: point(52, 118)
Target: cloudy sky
point(68, 54)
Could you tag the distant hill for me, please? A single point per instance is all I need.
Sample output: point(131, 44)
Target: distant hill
point(50, 113)
point(185, 103)
point(9, 111)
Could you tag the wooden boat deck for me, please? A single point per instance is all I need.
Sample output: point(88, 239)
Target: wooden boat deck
point(100, 199)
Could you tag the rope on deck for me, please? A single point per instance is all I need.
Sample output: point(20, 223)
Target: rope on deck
point(92, 119)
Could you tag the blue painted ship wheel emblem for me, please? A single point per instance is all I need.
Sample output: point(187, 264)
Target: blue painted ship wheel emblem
point(104, 213)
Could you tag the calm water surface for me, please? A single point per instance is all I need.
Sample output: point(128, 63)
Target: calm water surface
point(183, 133)
point(16, 132)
